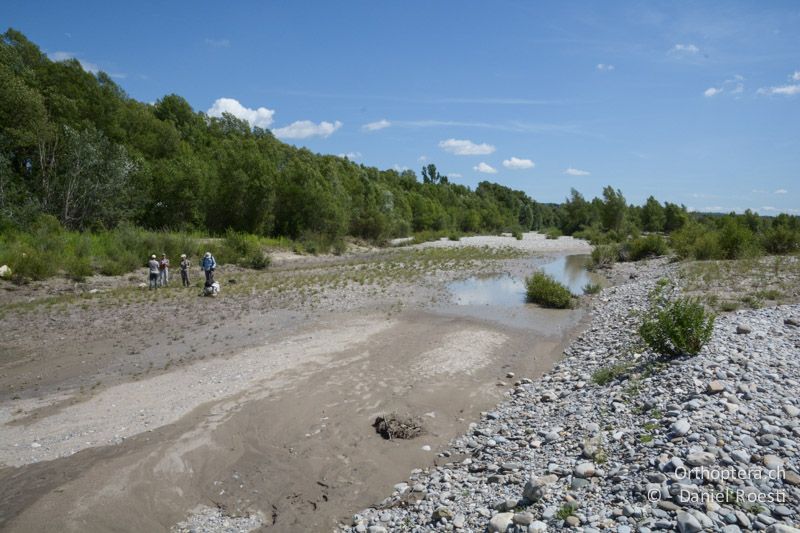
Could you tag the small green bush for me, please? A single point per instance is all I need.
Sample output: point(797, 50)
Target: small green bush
point(678, 327)
point(592, 288)
point(605, 255)
point(547, 292)
point(552, 233)
point(644, 247)
point(517, 234)
point(78, 268)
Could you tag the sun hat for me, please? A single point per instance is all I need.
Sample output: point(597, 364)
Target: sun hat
point(183, 255)
point(208, 254)
point(153, 256)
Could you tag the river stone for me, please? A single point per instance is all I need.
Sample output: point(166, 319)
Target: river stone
point(537, 526)
point(681, 427)
point(459, 521)
point(743, 329)
point(523, 519)
point(584, 470)
point(573, 521)
point(782, 528)
point(791, 410)
point(687, 523)
point(500, 522)
point(715, 387)
point(792, 478)
point(535, 488)
point(782, 510)
point(792, 321)
point(700, 459)
point(773, 462)
point(442, 513)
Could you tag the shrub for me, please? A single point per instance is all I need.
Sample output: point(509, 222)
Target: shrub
point(552, 233)
point(780, 240)
point(517, 234)
point(592, 288)
point(29, 263)
point(678, 327)
point(735, 240)
point(605, 255)
point(547, 292)
point(644, 247)
point(697, 242)
point(78, 268)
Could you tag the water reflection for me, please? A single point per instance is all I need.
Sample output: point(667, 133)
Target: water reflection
point(508, 291)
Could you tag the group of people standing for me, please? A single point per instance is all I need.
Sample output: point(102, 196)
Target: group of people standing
point(159, 270)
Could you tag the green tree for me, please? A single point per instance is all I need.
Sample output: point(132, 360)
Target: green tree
point(613, 209)
point(652, 215)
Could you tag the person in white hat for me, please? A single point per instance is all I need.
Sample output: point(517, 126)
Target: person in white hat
point(153, 266)
point(185, 264)
point(209, 264)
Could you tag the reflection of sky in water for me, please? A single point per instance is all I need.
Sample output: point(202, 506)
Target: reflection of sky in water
point(508, 291)
point(569, 270)
point(499, 290)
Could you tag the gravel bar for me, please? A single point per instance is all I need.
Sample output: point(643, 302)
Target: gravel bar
point(689, 444)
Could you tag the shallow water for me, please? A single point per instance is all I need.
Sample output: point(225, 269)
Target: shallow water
point(509, 291)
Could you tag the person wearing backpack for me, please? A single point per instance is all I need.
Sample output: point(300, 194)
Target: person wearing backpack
point(209, 264)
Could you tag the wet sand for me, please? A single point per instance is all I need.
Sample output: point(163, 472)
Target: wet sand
point(269, 413)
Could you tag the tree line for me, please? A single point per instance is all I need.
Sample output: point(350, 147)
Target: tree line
point(75, 147)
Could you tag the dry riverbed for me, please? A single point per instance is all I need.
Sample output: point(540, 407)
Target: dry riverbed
point(124, 409)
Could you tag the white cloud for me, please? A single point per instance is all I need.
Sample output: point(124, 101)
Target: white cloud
point(783, 90)
point(375, 126)
point(796, 75)
point(455, 175)
point(576, 172)
point(781, 191)
point(465, 147)
point(422, 159)
point(518, 164)
point(218, 43)
point(398, 168)
point(351, 155)
point(605, 67)
point(261, 117)
point(769, 208)
point(711, 92)
point(66, 56)
point(685, 49)
point(302, 129)
point(484, 168)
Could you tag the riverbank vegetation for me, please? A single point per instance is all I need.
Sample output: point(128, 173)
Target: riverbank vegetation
point(93, 181)
point(544, 290)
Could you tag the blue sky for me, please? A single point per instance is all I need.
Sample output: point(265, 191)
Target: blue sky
point(696, 103)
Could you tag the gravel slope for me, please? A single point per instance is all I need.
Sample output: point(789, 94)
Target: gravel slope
point(702, 443)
